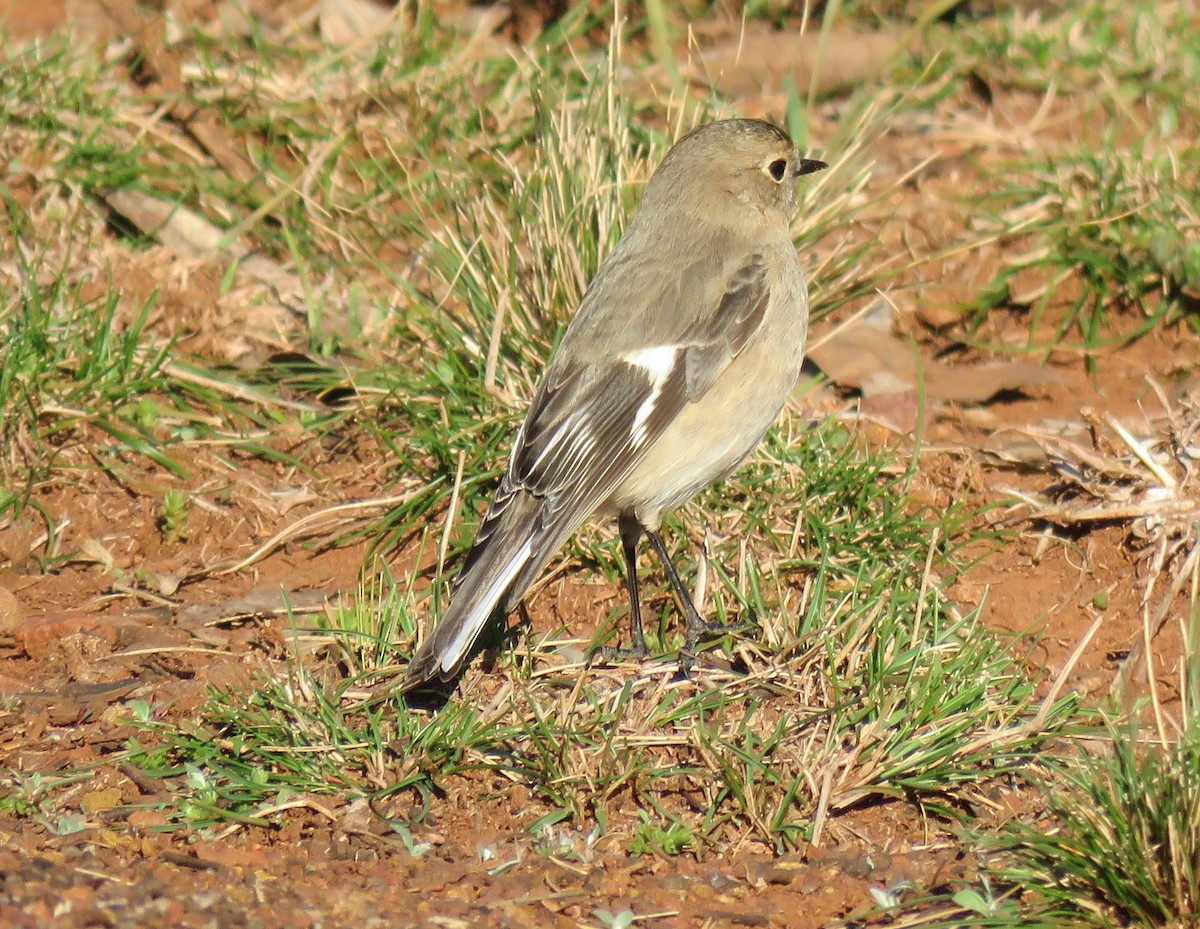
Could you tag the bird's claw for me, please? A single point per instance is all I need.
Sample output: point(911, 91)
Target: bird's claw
point(610, 653)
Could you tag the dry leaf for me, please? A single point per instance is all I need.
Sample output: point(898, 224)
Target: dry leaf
point(865, 355)
point(98, 801)
point(760, 60)
point(175, 226)
point(10, 612)
point(981, 383)
point(869, 357)
point(92, 549)
point(346, 22)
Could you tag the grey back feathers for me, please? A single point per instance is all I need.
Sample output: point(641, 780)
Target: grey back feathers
point(703, 290)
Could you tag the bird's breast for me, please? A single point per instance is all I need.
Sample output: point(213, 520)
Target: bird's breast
point(717, 431)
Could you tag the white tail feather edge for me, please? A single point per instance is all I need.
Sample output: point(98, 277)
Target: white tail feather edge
point(469, 631)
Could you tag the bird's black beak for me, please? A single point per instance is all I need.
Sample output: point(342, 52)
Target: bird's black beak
point(809, 165)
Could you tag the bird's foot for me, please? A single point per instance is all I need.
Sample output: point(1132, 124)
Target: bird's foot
point(607, 654)
point(699, 630)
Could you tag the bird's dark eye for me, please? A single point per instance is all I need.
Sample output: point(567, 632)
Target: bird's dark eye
point(778, 169)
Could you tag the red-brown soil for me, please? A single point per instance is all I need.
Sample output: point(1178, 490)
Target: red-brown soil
point(82, 638)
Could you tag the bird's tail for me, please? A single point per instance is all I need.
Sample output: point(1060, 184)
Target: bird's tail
point(519, 535)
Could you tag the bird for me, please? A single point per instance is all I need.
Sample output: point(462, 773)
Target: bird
point(683, 351)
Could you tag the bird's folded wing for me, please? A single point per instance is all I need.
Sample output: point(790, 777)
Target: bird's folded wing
point(592, 419)
point(715, 340)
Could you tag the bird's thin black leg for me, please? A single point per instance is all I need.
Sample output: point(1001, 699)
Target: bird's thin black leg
point(696, 625)
point(631, 532)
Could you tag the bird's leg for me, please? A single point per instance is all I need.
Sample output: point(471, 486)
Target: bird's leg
point(696, 625)
point(631, 532)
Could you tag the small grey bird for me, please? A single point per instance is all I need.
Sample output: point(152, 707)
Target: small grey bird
point(681, 355)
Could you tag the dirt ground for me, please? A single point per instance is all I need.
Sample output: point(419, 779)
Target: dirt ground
point(83, 639)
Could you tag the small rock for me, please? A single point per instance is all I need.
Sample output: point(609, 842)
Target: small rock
point(37, 635)
point(10, 612)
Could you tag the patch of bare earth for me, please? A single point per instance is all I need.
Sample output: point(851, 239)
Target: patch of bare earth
point(135, 616)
